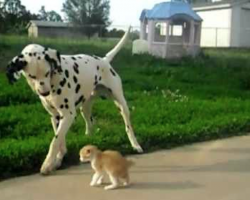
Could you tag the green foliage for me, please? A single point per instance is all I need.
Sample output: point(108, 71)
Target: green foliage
point(172, 103)
point(52, 16)
point(14, 17)
point(87, 13)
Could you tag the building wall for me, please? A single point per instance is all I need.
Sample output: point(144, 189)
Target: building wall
point(245, 26)
point(58, 32)
point(33, 31)
point(216, 27)
point(236, 26)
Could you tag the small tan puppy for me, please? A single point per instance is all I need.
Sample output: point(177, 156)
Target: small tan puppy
point(111, 162)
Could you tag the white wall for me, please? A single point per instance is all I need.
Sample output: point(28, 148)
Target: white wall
point(245, 26)
point(216, 27)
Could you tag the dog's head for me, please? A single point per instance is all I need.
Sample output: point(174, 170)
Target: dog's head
point(38, 65)
point(88, 152)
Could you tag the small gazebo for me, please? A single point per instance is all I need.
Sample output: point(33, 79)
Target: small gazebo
point(171, 29)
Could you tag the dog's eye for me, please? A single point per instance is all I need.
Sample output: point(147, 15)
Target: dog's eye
point(33, 77)
point(47, 74)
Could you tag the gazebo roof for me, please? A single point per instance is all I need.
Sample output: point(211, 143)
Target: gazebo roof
point(168, 9)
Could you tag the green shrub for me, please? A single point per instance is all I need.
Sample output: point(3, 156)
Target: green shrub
point(172, 103)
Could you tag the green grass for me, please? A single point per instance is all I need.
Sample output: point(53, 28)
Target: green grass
point(172, 103)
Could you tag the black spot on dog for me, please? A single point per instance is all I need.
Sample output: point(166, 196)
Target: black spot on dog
point(56, 136)
point(98, 67)
point(67, 73)
point(39, 58)
point(81, 99)
point(20, 56)
point(52, 86)
point(75, 79)
point(96, 57)
point(66, 100)
point(79, 57)
point(30, 54)
point(58, 117)
point(66, 106)
point(113, 72)
point(86, 62)
point(96, 82)
point(63, 58)
point(78, 88)
point(52, 107)
point(69, 86)
point(61, 106)
point(53, 91)
point(73, 58)
point(59, 91)
point(100, 78)
point(34, 54)
point(63, 82)
point(75, 67)
point(91, 119)
point(31, 76)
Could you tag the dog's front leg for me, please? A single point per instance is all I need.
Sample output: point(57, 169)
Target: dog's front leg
point(51, 161)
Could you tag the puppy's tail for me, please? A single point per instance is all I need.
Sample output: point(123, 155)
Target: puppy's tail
point(110, 55)
point(130, 163)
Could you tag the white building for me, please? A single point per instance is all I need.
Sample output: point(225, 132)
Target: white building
point(225, 23)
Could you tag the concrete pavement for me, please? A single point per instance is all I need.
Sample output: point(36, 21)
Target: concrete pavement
point(217, 170)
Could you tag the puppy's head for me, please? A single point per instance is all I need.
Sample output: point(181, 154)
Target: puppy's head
point(87, 153)
point(37, 64)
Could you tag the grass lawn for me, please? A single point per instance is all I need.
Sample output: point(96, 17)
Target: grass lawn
point(172, 103)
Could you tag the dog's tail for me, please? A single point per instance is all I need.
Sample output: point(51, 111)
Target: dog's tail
point(110, 55)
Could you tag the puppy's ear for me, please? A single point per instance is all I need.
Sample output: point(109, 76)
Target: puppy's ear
point(54, 59)
point(14, 68)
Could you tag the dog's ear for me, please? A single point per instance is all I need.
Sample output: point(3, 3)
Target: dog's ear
point(54, 59)
point(14, 68)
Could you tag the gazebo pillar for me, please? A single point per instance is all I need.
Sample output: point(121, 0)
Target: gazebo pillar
point(191, 33)
point(167, 37)
point(143, 30)
point(151, 32)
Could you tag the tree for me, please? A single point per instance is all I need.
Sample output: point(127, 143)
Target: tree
point(49, 16)
point(90, 14)
point(14, 16)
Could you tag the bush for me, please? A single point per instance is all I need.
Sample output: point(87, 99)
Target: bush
point(172, 103)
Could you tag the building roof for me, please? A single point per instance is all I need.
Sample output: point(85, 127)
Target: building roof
point(48, 24)
point(168, 9)
point(218, 4)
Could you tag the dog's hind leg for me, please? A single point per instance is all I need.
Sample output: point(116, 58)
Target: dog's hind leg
point(122, 105)
point(116, 91)
point(86, 111)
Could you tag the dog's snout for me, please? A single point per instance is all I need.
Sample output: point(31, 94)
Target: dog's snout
point(44, 94)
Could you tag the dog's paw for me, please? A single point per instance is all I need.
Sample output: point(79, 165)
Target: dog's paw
point(47, 168)
point(138, 149)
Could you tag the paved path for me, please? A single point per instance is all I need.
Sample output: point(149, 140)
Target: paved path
point(218, 170)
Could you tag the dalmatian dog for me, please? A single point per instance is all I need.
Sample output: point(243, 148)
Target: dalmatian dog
point(65, 83)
